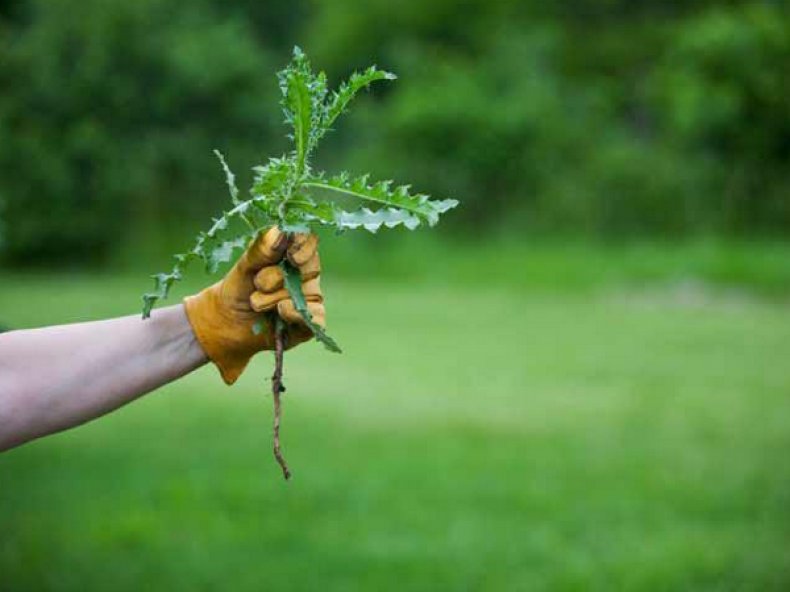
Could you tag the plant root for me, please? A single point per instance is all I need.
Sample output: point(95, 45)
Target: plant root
point(277, 389)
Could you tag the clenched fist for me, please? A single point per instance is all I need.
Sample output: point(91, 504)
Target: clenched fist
point(222, 315)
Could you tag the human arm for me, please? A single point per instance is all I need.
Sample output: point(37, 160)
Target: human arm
point(59, 377)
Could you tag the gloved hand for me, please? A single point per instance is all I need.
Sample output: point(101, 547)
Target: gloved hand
point(222, 315)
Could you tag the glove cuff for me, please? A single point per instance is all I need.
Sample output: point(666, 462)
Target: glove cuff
point(207, 323)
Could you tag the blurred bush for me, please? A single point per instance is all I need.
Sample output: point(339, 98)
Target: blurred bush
point(111, 114)
point(608, 119)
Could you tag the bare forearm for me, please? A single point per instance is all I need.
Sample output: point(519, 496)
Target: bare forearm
point(59, 377)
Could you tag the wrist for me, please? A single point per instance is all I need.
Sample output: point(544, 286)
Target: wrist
point(177, 338)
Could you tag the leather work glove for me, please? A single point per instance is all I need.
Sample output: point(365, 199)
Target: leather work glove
point(222, 315)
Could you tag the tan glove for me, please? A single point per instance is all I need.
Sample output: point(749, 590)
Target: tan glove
point(222, 315)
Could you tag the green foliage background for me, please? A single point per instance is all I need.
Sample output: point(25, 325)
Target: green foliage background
point(602, 119)
point(564, 438)
point(604, 407)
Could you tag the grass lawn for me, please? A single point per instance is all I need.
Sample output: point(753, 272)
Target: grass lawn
point(470, 438)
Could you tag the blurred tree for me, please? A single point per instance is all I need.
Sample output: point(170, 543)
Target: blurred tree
point(112, 111)
point(607, 118)
point(612, 118)
point(720, 94)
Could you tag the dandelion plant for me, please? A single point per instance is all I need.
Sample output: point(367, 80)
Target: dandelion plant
point(287, 192)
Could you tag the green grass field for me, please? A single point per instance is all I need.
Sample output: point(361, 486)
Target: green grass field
point(472, 437)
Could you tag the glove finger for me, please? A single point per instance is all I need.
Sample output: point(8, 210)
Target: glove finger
point(311, 268)
point(312, 290)
point(269, 279)
point(263, 301)
point(303, 246)
point(288, 312)
point(319, 313)
point(266, 249)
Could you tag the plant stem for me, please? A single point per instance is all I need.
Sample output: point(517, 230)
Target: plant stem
point(277, 389)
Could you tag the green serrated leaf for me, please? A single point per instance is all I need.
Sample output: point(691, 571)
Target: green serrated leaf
point(273, 178)
point(293, 283)
point(349, 89)
point(280, 193)
point(328, 214)
point(230, 178)
point(291, 227)
point(373, 220)
point(162, 284)
point(297, 104)
point(204, 250)
point(419, 205)
point(223, 252)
